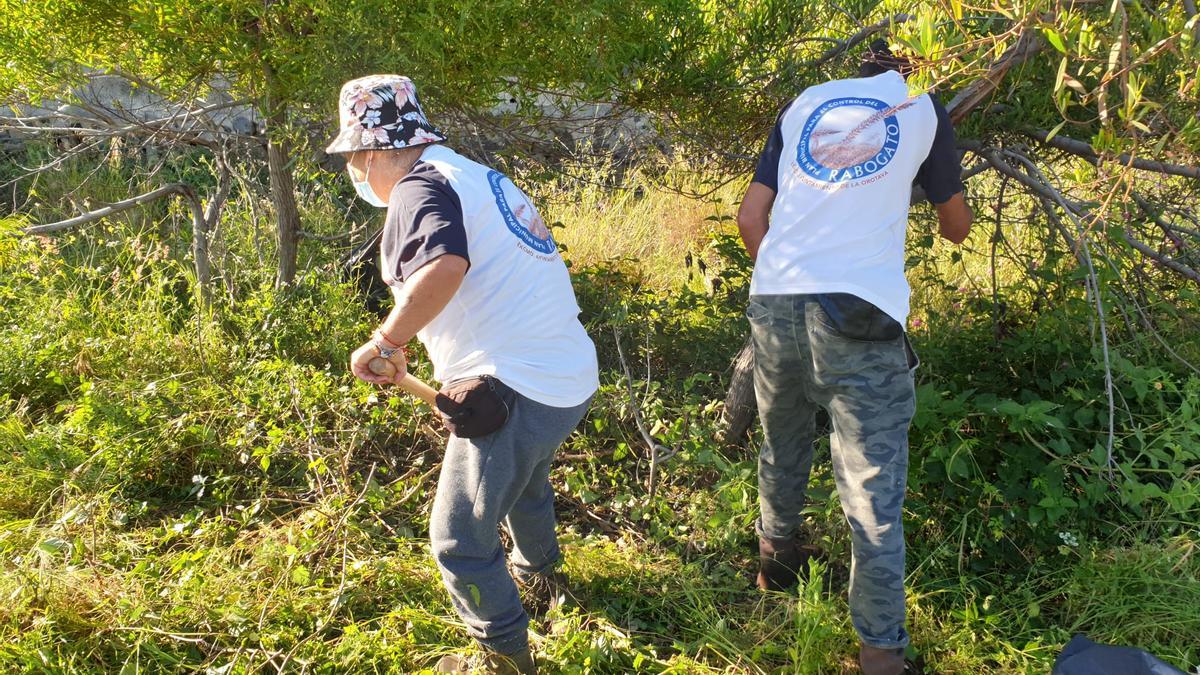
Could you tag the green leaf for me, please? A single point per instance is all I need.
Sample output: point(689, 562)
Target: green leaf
point(1010, 408)
point(1055, 39)
point(300, 575)
point(1054, 132)
point(53, 544)
point(1060, 77)
point(1060, 446)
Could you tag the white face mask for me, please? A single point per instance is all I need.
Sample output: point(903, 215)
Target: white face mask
point(363, 187)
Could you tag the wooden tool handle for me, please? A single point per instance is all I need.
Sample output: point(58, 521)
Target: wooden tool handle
point(419, 389)
point(409, 383)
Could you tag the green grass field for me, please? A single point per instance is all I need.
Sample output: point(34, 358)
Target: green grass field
point(210, 491)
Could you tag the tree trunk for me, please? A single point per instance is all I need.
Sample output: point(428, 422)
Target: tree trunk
point(740, 406)
point(283, 193)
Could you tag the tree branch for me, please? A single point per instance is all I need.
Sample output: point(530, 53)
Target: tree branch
point(1164, 260)
point(655, 448)
point(863, 33)
point(838, 49)
point(1171, 229)
point(978, 91)
point(184, 192)
point(1037, 181)
point(181, 189)
point(1082, 149)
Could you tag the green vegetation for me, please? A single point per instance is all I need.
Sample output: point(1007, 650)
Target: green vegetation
point(191, 485)
point(185, 489)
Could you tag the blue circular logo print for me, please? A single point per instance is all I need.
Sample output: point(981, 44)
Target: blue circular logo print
point(519, 214)
point(847, 139)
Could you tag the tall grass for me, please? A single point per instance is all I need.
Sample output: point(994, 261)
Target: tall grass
point(640, 220)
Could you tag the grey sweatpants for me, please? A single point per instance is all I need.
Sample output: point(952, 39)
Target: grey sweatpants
point(501, 477)
point(845, 355)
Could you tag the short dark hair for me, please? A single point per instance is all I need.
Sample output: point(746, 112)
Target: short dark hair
point(878, 58)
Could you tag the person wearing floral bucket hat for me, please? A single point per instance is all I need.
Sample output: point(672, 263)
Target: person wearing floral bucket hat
point(477, 278)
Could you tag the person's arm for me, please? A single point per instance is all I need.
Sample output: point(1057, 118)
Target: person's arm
point(954, 218)
point(753, 217)
point(940, 177)
point(424, 244)
point(423, 296)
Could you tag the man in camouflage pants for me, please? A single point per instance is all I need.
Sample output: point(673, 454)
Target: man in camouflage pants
point(825, 219)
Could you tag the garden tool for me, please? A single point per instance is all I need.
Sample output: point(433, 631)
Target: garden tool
point(410, 383)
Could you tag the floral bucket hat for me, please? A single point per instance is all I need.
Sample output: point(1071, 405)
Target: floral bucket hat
point(381, 112)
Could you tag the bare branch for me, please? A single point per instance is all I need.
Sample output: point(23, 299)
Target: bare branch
point(978, 91)
point(838, 49)
point(183, 191)
point(212, 211)
point(654, 448)
point(192, 129)
point(1082, 149)
point(1043, 191)
point(863, 33)
point(1171, 229)
point(1164, 260)
point(1036, 181)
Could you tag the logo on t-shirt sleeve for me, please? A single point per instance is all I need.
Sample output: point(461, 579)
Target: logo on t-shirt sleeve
point(520, 215)
point(848, 139)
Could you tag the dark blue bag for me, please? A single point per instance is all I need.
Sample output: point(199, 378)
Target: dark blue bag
point(1081, 656)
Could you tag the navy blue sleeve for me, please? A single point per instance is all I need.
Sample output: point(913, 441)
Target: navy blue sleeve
point(424, 222)
point(940, 174)
point(767, 171)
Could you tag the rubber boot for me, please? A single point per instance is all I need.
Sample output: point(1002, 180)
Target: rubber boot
point(875, 661)
point(781, 562)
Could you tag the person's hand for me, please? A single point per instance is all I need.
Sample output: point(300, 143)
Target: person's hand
point(360, 365)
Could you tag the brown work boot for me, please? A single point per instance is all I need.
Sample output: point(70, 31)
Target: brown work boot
point(489, 663)
point(781, 562)
point(543, 592)
point(875, 661)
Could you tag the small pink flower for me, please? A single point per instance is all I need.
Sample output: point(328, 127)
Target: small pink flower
point(917, 323)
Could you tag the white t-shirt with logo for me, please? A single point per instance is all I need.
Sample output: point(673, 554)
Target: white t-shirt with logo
point(842, 160)
point(514, 316)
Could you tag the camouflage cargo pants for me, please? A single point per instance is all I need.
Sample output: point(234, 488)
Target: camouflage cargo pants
point(844, 354)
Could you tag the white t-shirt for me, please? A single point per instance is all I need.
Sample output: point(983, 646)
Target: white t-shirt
point(842, 160)
point(515, 315)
